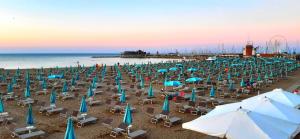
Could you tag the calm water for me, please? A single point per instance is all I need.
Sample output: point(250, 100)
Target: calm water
point(24, 61)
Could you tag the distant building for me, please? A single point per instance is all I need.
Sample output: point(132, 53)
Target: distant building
point(133, 54)
point(249, 50)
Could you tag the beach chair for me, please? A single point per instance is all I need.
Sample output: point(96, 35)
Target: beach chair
point(136, 134)
point(121, 129)
point(85, 121)
point(54, 111)
point(172, 121)
point(186, 108)
point(33, 134)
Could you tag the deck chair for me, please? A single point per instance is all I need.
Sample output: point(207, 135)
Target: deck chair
point(136, 134)
point(121, 129)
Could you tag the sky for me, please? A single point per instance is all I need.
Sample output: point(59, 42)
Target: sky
point(103, 26)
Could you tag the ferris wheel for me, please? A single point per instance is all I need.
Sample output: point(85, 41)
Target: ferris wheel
point(277, 44)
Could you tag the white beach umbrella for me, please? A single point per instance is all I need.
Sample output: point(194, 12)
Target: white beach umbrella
point(243, 124)
point(263, 106)
point(281, 96)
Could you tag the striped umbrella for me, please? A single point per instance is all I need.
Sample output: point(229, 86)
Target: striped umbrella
point(1, 106)
point(29, 118)
point(70, 134)
point(127, 117)
point(83, 106)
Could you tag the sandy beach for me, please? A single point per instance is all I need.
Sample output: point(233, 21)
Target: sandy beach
point(55, 126)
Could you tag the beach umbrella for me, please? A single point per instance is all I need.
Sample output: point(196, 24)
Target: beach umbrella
point(166, 106)
point(208, 80)
point(142, 83)
point(10, 88)
point(65, 87)
point(220, 77)
point(212, 92)
point(70, 134)
point(150, 91)
point(44, 85)
point(162, 70)
point(83, 106)
point(193, 79)
point(229, 76)
point(254, 126)
point(119, 87)
point(281, 96)
point(123, 97)
point(52, 97)
point(29, 118)
point(27, 93)
point(231, 86)
point(73, 82)
point(193, 95)
point(173, 69)
point(172, 83)
point(127, 117)
point(90, 92)
point(1, 106)
point(242, 84)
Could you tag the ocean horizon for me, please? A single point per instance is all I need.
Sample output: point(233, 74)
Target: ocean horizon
point(51, 60)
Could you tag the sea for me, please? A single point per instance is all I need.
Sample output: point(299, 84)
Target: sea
point(51, 60)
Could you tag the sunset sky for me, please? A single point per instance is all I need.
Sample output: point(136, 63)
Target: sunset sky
point(165, 25)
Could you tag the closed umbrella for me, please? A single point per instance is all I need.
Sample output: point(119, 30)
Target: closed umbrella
point(90, 92)
point(212, 92)
point(27, 92)
point(166, 106)
point(127, 117)
point(123, 97)
point(83, 106)
point(193, 95)
point(150, 91)
point(70, 134)
point(1, 106)
point(29, 118)
point(53, 98)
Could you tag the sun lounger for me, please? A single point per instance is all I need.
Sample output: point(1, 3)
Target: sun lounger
point(93, 102)
point(26, 102)
point(86, 121)
point(64, 114)
point(17, 131)
point(172, 121)
point(121, 129)
point(34, 134)
point(43, 92)
point(136, 134)
point(44, 109)
point(8, 97)
point(54, 111)
point(67, 97)
point(116, 109)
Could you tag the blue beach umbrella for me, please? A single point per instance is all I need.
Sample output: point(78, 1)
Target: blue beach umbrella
point(90, 92)
point(212, 92)
point(123, 97)
point(1, 106)
point(150, 91)
point(192, 69)
point(243, 84)
point(172, 83)
point(53, 98)
point(29, 118)
point(162, 70)
point(65, 87)
point(73, 82)
point(127, 117)
point(70, 134)
point(44, 84)
point(83, 106)
point(193, 95)
point(119, 88)
point(193, 79)
point(173, 69)
point(27, 92)
point(166, 106)
point(10, 88)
